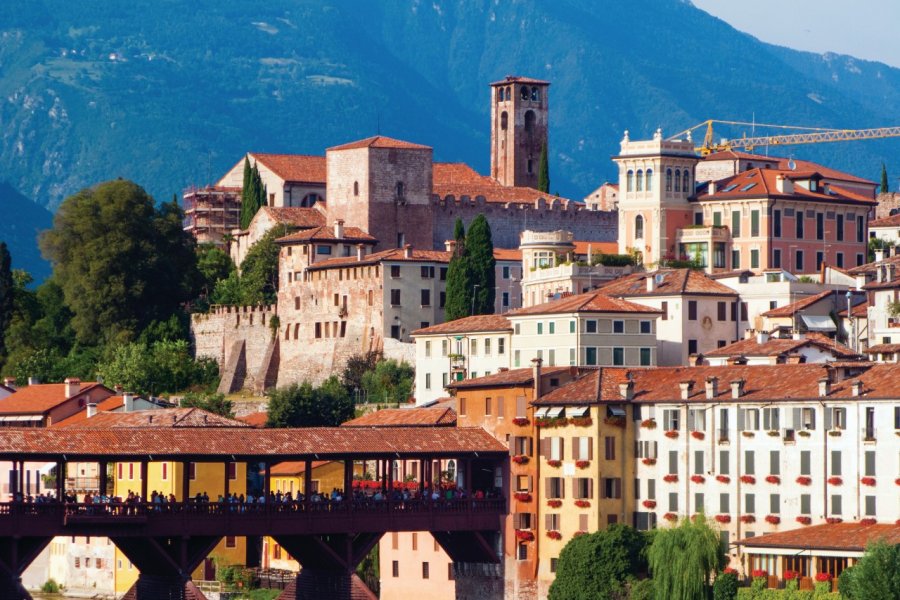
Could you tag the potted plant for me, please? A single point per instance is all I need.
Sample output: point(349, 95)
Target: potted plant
point(554, 503)
point(803, 520)
point(833, 520)
point(670, 478)
point(723, 478)
point(723, 518)
point(648, 423)
point(522, 496)
point(520, 421)
point(672, 434)
point(615, 421)
point(554, 535)
point(519, 459)
point(698, 479)
point(524, 535)
point(868, 521)
point(803, 480)
point(698, 435)
point(582, 421)
point(835, 481)
point(747, 434)
point(554, 463)
point(748, 479)
point(582, 503)
point(748, 519)
point(649, 504)
point(670, 516)
point(648, 461)
point(773, 479)
point(582, 464)
point(869, 481)
point(773, 519)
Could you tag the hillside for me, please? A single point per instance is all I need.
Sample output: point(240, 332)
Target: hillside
point(22, 221)
point(96, 90)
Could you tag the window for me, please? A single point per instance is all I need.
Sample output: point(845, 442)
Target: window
point(572, 326)
point(776, 223)
point(722, 309)
point(639, 181)
point(664, 307)
point(427, 381)
point(692, 347)
point(609, 447)
point(323, 249)
point(673, 501)
point(395, 297)
point(750, 503)
point(488, 407)
point(673, 462)
point(836, 463)
point(424, 570)
point(612, 487)
point(230, 541)
point(774, 462)
point(395, 568)
point(232, 470)
point(590, 356)
point(677, 180)
point(749, 462)
point(735, 223)
point(540, 328)
point(696, 419)
point(724, 503)
point(473, 345)
point(395, 271)
point(754, 258)
point(692, 310)
point(717, 219)
point(820, 258)
point(686, 181)
point(522, 552)
point(774, 504)
point(646, 327)
point(618, 356)
point(820, 226)
point(839, 258)
point(165, 471)
point(698, 218)
point(551, 327)
point(870, 506)
point(590, 326)
point(805, 504)
point(770, 419)
point(754, 223)
point(555, 488)
point(639, 227)
point(805, 462)
point(629, 181)
point(648, 180)
point(699, 462)
point(748, 419)
point(395, 332)
point(839, 233)
point(462, 406)
point(799, 225)
point(836, 507)
point(668, 180)
point(776, 258)
point(426, 297)
point(427, 272)
point(583, 488)
point(671, 418)
point(399, 188)
point(860, 228)
point(505, 297)
point(724, 460)
point(646, 357)
point(618, 326)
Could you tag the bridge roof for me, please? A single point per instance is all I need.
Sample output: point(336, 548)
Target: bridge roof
point(224, 443)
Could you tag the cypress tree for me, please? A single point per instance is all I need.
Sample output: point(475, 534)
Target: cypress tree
point(885, 187)
point(459, 230)
point(480, 254)
point(459, 281)
point(245, 193)
point(6, 296)
point(544, 171)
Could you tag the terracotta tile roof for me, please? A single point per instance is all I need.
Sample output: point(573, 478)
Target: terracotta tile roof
point(803, 303)
point(456, 173)
point(511, 377)
point(757, 183)
point(578, 392)
point(294, 167)
point(668, 282)
point(40, 398)
point(244, 443)
point(492, 191)
point(295, 467)
point(837, 536)
point(507, 254)
point(827, 172)
point(326, 233)
point(166, 418)
point(779, 346)
point(406, 417)
point(380, 141)
point(859, 310)
point(296, 216)
point(581, 247)
point(890, 221)
point(474, 324)
point(590, 302)
point(517, 79)
point(737, 155)
point(391, 255)
point(882, 348)
point(110, 404)
point(762, 384)
point(883, 285)
point(257, 419)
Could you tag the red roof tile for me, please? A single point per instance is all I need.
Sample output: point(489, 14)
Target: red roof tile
point(761, 183)
point(837, 536)
point(492, 191)
point(801, 304)
point(667, 282)
point(590, 302)
point(581, 247)
point(40, 398)
point(380, 141)
point(882, 348)
point(457, 173)
point(324, 233)
point(507, 254)
point(473, 324)
point(511, 377)
point(164, 418)
point(890, 221)
point(737, 155)
point(296, 216)
point(294, 167)
point(257, 419)
point(406, 417)
point(779, 346)
point(110, 404)
point(392, 255)
point(858, 310)
point(295, 467)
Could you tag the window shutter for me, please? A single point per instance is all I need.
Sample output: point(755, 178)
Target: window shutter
point(575, 489)
point(544, 445)
point(796, 419)
point(590, 449)
point(529, 443)
point(547, 488)
point(575, 454)
point(829, 418)
point(562, 487)
point(774, 462)
point(548, 522)
point(741, 418)
point(836, 462)
point(590, 493)
point(870, 464)
point(582, 522)
point(530, 483)
point(562, 449)
point(618, 487)
point(691, 418)
point(805, 462)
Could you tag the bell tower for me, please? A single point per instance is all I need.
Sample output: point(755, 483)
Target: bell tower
point(519, 119)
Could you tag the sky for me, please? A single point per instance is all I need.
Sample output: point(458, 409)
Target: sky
point(862, 28)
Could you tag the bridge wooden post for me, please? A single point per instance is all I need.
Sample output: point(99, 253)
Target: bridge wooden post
point(307, 482)
point(144, 473)
point(60, 479)
point(390, 477)
point(185, 481)
point(103, 479)
point(348, 478)
point(16, 553)
point(227, 480)
point(267, 479)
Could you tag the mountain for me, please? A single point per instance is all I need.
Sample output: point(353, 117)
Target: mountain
point(22, 221)
point(170, 93)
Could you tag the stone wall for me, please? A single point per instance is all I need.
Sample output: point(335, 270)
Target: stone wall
point(887, 203)
point(509, 220)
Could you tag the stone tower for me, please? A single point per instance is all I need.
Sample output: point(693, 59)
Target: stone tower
point(656, 178)
point(519, 118)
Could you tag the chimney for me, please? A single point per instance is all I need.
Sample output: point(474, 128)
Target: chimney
point(339, 229)
point(737, 388)
point(797, 335)
point(626, 390)
point(118, 388)
point(360, 251)
point(149, 418)
point(73, 386)
point(824, 387)
point(34, 381)
point(450, 245)
point(536, 375)
point(762, 337)
point(272, 199)
point(10, 382)
point(784, 185)
point(879, 255)
point(860, 281)
point(712, 387)
point(695, 360)
point(91, 409)
point(794, 359)
point(407, 250)
point(651, 283)
point(128, 397)
point(856, 388)
point(711, 189)
point(686, 387)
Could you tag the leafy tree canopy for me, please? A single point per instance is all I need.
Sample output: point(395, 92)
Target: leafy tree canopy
point(6, 295)
point(158, 368)
point(357, 366)
point(683, 559)
point(214, 403)
point(480, 254)
point(544, 171)
point(877, 574)
point(257, 282)
point(302, 405)
point(390, 382)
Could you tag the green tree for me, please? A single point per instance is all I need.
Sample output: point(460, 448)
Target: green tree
point(459, 278)
point(214, 403)
point(877, 574)
point(544, 171)
point(725, 586)
point(885, 186)
point(480, 255)
point(6, 296)
point(120, 262)
point(164, 367)
point(259, 270)
point(599, 565)
point(459, 230)
point(390, 381)
point(244, 220)
point(302, 405)
point(684, 558)
point(213, 265)
point(356, 368)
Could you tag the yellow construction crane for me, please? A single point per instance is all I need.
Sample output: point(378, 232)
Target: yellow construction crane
point(807, 135)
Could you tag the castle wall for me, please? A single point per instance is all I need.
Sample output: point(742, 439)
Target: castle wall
point(509, 220)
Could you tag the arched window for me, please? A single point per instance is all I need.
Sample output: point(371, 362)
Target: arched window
point(356, 188)
point(504, 120)
point(686, 182)
point(535, 94)
point(499, 94)
point(677, 180)
point(529, 121)
point(530, 166)
point(629, 181)
point(640, 181)
point(508, 93)
point(399, 189)
point(668, 180)
point(648, 180)
point(525, 92)
point(639, 227)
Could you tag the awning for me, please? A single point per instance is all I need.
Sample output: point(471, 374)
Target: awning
point(20, 418)
point(818, 323)
point(615, 411)
point(578, 411)
point(555, 411)
point(541, 412)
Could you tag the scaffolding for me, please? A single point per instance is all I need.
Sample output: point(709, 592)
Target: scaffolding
point(211, 213)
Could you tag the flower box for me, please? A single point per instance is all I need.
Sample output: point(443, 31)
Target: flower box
point(835, 481)
point(519, 459)
point(579, 534)
point(747, 434)
point(835, 433)
point(615, 422)
point(554, 463)
point(554, 503)
point(581, 421)
point(698, 435)
point(524, 535)
point(520, 421)
point(802, 480)
point(649, 503)
point(670, 478)
point(522, 496)
point(804, 520)
point(649, 461)
point(582, 504)
point(582, 464)
point(554, 535)
point(547, 423)
point(698, 479)
point(748, 519)
point(671, 434)
point(772, 433)
point(670, 516)
point(789, 575)
point(833, 520)
point(748, 479)
point(723, 478)
point(648, 423)
point(773, 519)
point(897, 481)
point(723, 518)
point(823, 576)
point(803, 433)
point(773, 479)
point(759, 573)
point(869, 481)
point(729, 571)
point(868, 521)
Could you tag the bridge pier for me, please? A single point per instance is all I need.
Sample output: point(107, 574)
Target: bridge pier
point(165, 565)
point(16, 553)
point(328, 564)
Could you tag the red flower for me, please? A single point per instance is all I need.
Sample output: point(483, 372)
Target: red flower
point(729, 571)
point(749, 479)
point(522, 496)
point(723, 518)
point(672, 434)
point(554, 463)
point(615, 421)
point(524, 535)
point(669, 516)
point(804, 480)
point(582, 504)
point(897, 481)
point(773, 519)
point(723, 478)
point(823, 576)
point(582, 421)
point(579, 533)
point(867, 521)
point(748, 519)
point(554, 535)
point(835, 481)
point(649, 503)
point(788, 575)
point(804, 520)
point(698, 435)
point(773, 479)
point(554, 503)
point(520, 421)
point(519, 459)
point(759, 573)
point(833, 520)
point(649, 461)
point(698, 479)
point(670, 478)
point(648, 423)
point(870, 481)
point(582, 464)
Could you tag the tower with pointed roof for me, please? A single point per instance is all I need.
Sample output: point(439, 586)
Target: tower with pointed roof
point(519, 119)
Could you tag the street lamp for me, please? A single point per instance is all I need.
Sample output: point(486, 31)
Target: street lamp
point(849, 296)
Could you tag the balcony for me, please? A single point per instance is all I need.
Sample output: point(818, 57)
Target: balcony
point(699, 233)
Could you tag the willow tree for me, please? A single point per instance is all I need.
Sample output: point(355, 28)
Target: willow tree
point(684, 559)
